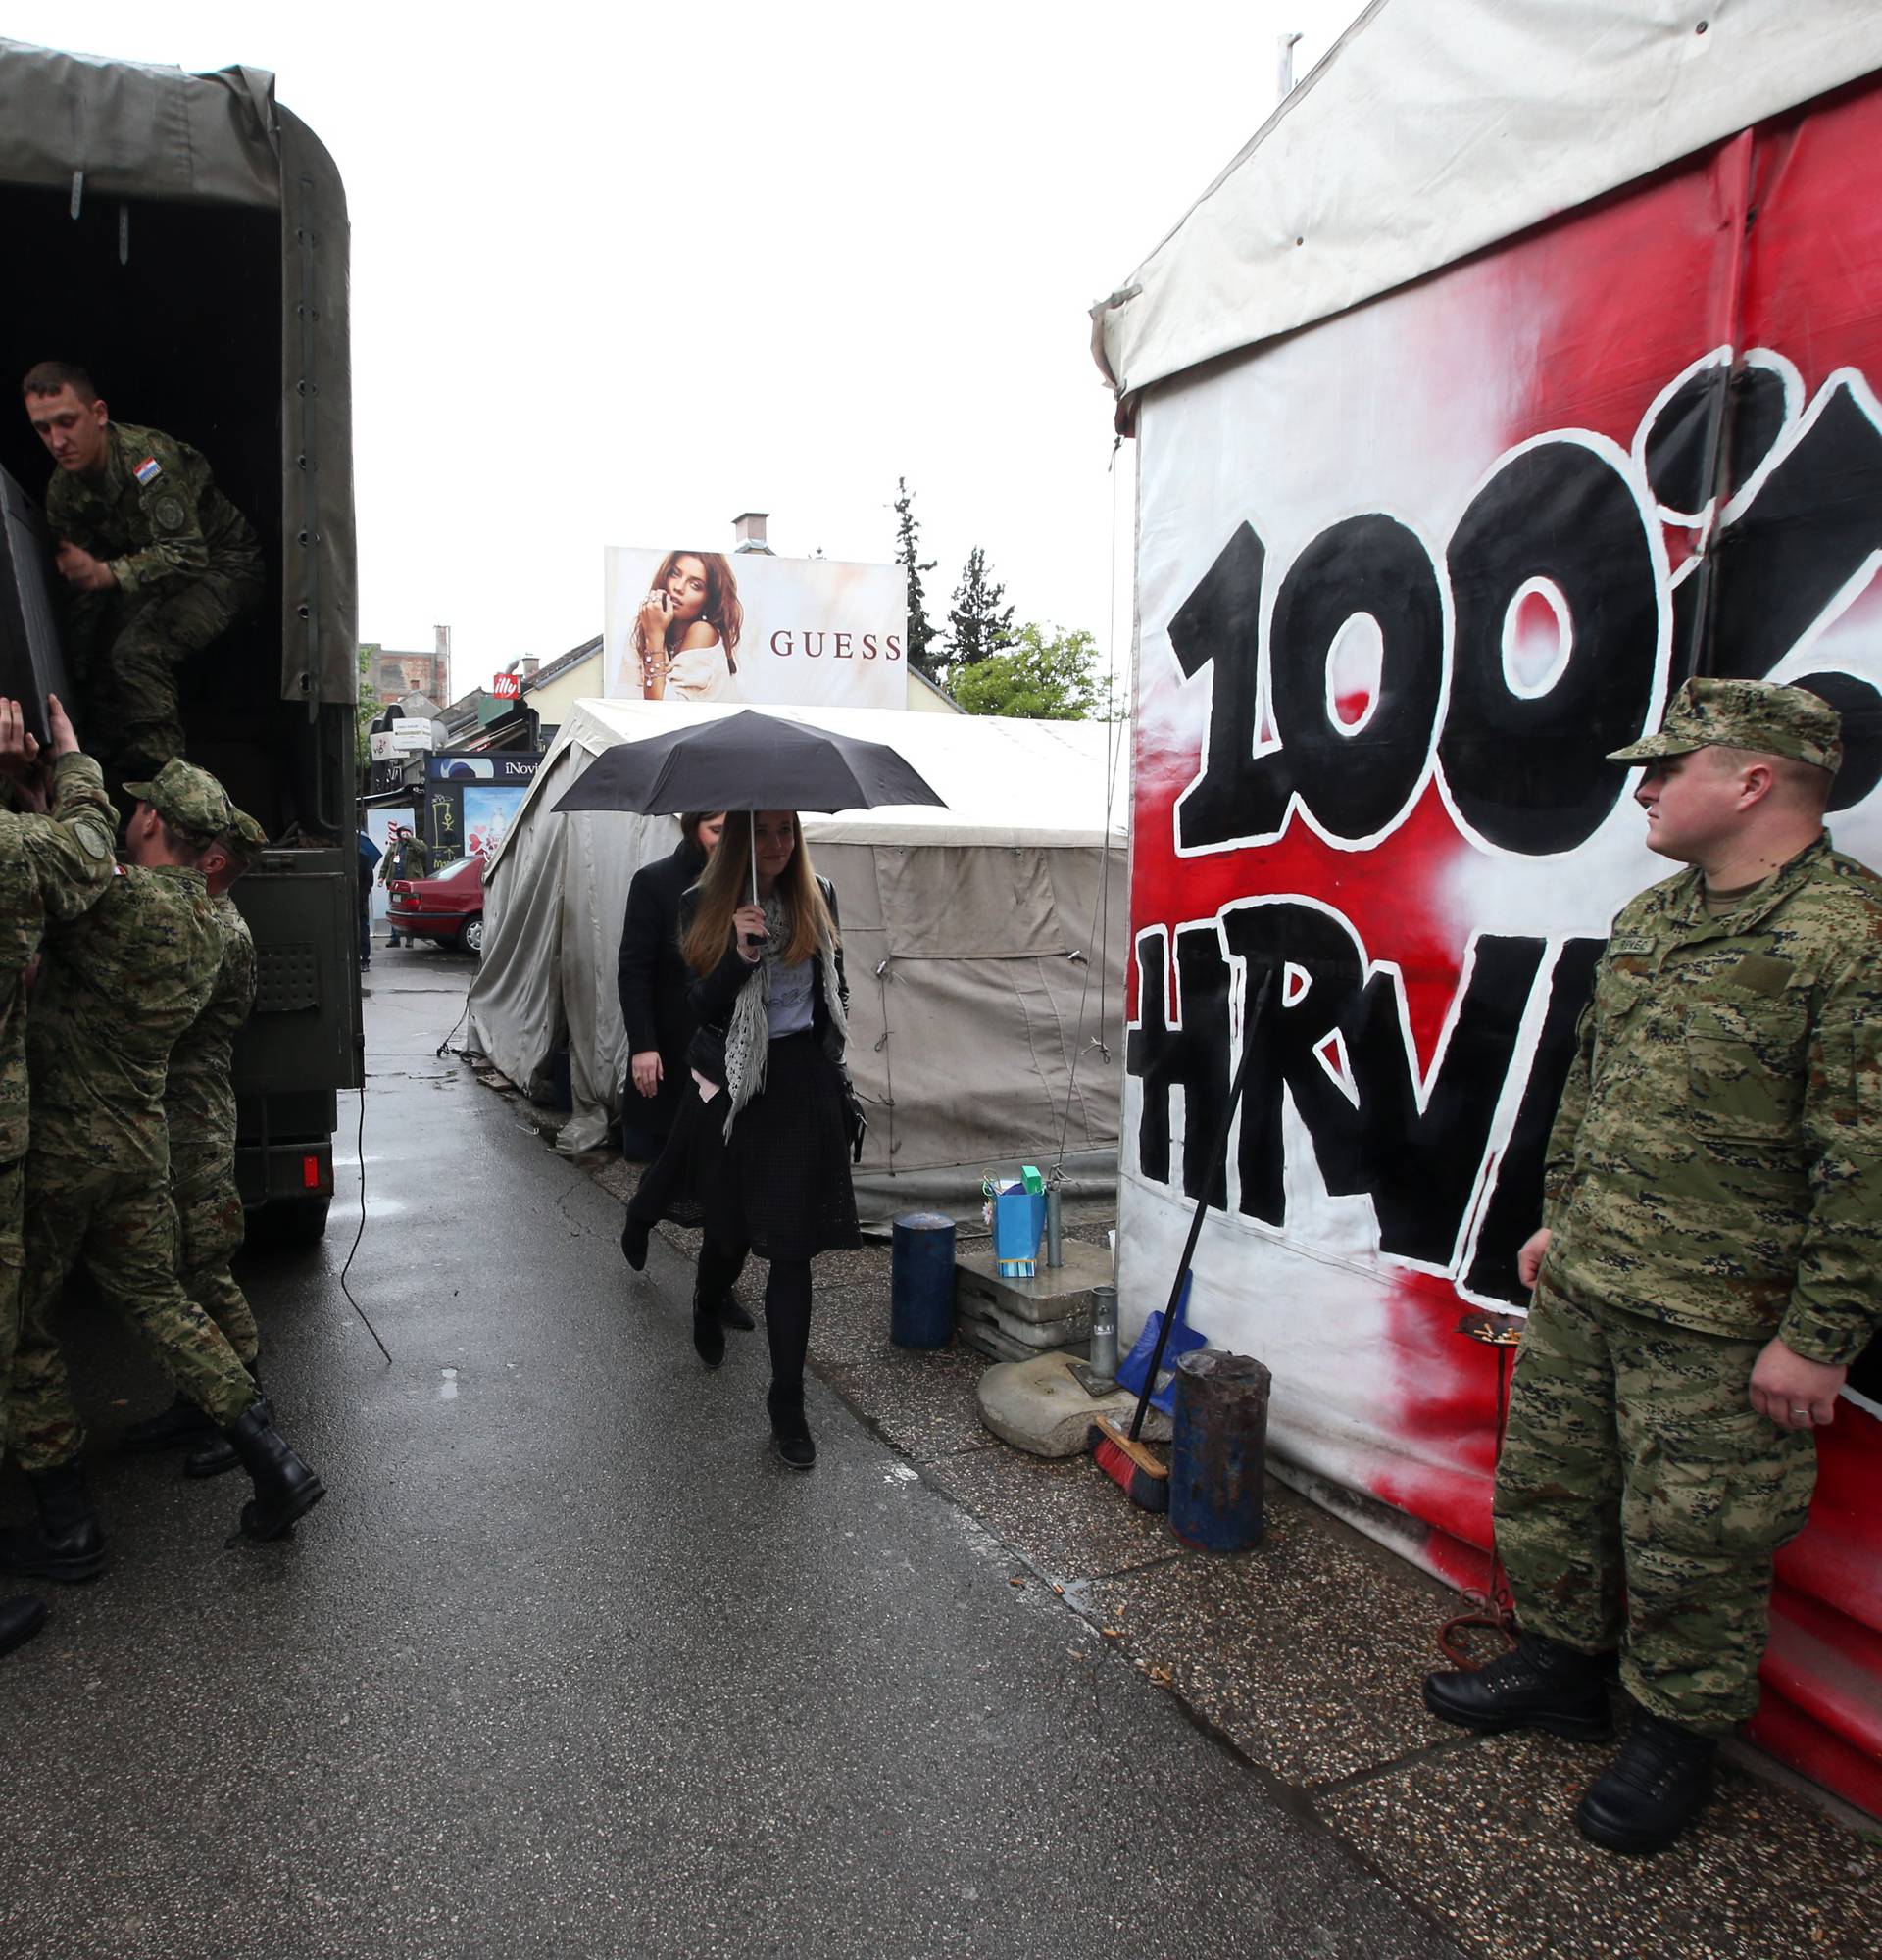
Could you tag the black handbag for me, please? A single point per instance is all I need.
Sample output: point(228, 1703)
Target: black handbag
point(856, 1121)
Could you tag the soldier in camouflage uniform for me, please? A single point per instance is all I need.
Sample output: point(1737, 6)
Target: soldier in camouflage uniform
point(199, 1114)
point(52, 865)
point(119, 986)
point(159, 561)
point(1708, 1263)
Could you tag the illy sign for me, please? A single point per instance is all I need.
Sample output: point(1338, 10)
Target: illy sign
point(507, 687)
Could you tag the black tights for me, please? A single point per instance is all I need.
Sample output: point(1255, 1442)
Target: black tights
point(787, 1304)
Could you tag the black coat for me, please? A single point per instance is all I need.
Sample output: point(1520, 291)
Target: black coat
point(652, 977)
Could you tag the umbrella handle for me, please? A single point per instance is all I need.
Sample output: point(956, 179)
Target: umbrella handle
point(751, 818)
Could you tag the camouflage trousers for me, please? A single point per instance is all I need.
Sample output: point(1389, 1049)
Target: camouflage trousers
point(210, 1229)
point(124, 657)
point(1640, 1498)
point(122, 1226)
point(13, 1266)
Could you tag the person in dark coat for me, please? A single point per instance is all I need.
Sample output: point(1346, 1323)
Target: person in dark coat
point(653, 982)
point(760, 1152)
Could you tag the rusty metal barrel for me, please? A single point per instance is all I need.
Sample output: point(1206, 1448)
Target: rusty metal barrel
point(1217, 1451)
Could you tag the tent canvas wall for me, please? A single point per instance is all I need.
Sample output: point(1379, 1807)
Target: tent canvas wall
point(1524, 367)
point(983, 943)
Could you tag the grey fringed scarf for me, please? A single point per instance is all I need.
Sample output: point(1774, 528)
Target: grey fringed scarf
point(748, 1035)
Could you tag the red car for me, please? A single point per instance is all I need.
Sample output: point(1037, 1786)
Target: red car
point(447, 906)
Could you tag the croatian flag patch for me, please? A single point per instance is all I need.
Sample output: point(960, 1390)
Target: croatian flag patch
point(148, 469)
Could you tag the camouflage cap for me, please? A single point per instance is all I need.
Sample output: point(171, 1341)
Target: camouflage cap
point(1754, 714)
point(243, 835)
point(190, 800)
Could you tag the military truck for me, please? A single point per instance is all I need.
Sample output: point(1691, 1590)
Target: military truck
point(185, 238)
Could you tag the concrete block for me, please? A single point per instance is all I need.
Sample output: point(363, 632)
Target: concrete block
point(1073, 1330)
point(1060, 1292)
point(1039, 1407)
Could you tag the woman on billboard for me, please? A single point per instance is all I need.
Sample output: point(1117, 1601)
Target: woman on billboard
point(686, 632)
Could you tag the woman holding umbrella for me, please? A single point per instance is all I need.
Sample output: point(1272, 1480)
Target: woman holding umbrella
point(767, 1136)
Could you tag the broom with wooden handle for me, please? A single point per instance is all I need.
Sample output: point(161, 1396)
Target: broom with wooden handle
point(1130, 1463)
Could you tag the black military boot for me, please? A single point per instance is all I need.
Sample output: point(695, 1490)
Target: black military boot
point(180, 1424)
point(1541, 1684)
point(216, 1455)
point(1651, 1790)
point(285, 1487)
point(65, 1544)
point(790, 1433)
point(19, 1620)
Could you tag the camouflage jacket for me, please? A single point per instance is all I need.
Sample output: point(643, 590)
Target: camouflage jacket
point(199, 1091)
point(51, 867)
point(116, 988)
point(1716, 1161)
point(157, 517)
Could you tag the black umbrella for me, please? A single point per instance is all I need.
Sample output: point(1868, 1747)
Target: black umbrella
point(747, 761)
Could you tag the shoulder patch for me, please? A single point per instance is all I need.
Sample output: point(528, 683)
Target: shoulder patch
point(169, 514)
point(93, 842)
point(148, 471)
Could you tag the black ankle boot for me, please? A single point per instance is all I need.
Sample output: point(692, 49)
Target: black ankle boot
point(285, 1487)
point(724, 1309)
point(709, 1337)
point(1542, 1684)
point(216, 1455)
point(790, 1433)
point(1653, 1789)
point(181, 1423)
point(633, 1242)
point(65, 1544)
point(19, 1620)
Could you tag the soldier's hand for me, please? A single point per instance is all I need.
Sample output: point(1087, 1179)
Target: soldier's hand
point(19, 752)
point(77, 566)
point(65, 739)
point(1794, 1393)
point(1529, 1256)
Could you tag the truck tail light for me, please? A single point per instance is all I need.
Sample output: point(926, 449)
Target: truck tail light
point(309, 1173)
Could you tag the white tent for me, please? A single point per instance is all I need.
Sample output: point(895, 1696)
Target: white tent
point(983, 943)
point(1435, 129)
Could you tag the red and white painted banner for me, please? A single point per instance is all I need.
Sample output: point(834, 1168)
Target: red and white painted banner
point(1403, 579)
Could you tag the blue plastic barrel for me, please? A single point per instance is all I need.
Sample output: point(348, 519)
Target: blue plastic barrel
point(1218, 1441)
point(922, 1280)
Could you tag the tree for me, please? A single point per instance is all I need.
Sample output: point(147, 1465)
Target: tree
point(370, 706)
point(908, 553)
point(1043, 675)
point(977, 623)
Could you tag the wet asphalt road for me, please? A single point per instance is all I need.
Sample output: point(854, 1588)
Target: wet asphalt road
point(567, 1664)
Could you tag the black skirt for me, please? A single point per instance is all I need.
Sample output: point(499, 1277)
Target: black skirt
point(781, 1184)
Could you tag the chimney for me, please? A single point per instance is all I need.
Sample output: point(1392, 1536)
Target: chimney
point(441, 655)
point(748, 532)
point(527, 666)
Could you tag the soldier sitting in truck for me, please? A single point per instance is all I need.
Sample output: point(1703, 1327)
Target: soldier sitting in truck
point(160, 564)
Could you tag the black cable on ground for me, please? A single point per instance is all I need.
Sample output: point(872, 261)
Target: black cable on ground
point(360, 1150)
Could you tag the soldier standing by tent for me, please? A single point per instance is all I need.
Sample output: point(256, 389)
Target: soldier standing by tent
point(161, 565)
point(52, 865)
point(119, 986)
point(199, 1115)
point(1707, 1265)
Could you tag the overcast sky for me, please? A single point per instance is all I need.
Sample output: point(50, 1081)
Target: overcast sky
point(620, 276)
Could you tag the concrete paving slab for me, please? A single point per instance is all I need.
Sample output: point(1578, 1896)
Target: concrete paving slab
point(1067, 1519)
point(1483, 1833)
point(1052, 1294)
point(1306, 1653)
point(921, 1401)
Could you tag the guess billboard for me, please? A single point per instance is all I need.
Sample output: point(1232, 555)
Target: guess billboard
point(1403, 579)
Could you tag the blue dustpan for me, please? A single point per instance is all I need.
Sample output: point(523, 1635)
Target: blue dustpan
point(1135, 1365)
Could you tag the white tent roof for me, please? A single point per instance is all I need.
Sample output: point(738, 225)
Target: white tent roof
point(1009, 783)
point(1436, 127)
point(985, 942)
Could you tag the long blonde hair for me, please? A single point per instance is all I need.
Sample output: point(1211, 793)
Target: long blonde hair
point(725, 884)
